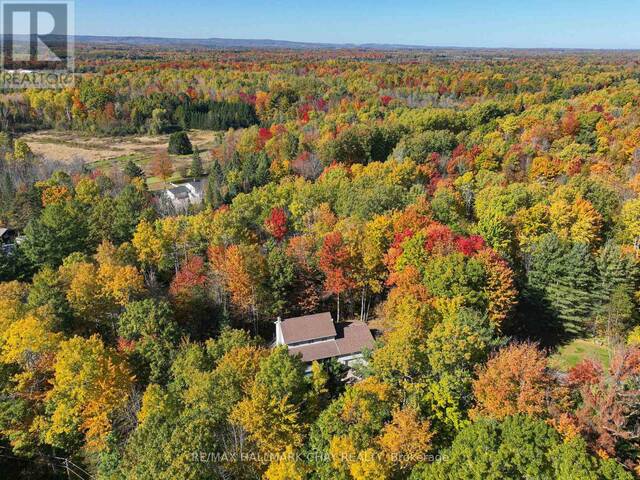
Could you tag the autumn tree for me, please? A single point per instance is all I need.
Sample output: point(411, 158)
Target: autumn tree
point(276, 223)
point(336, 264)
point(91, 383)
point(608, 402)
point(161, 166)
point(242, 268)
point(206, 381)
point(406, 439)
point(514, 380)
point(272, 415)
point(188, 291)
point(631, 222)
point(343, 441)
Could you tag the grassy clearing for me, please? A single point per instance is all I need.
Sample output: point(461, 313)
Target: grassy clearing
point(105, 153)
point(108, 163)
point(571, 354)
point(101, 152)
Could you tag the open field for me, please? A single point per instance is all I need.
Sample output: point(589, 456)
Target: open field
point(69, 145)
point(568, 356)
point(106, 152)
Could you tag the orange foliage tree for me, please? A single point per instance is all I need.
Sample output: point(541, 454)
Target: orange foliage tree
point(515, 380)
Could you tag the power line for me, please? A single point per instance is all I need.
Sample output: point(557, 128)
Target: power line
point(54, 462)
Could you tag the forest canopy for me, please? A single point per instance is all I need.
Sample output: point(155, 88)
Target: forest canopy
point(479, 212)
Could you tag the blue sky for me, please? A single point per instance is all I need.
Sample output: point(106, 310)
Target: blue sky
point(480, 23)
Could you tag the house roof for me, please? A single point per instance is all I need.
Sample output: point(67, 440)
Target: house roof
point(316, 351)
point(180, 192)
point(354, 337)
point(307, 328)
point(351, 338)
point(3, 231)
point(198, 185)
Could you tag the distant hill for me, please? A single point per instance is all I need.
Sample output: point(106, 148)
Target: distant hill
point(245, 43)
point(226, 43)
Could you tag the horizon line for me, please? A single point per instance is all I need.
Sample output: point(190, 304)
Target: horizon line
point(368, 44)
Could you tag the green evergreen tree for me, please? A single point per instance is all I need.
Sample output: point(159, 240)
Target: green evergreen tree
point(179, 144)
point(196, 170)
point(151, 325)
point(48, 290)
point(615, 270)
point(281, 269)
point(131, 205)
point(572, 293)
point(214, 196)
point(132, 170)
point(62, 229)
point(561, 280)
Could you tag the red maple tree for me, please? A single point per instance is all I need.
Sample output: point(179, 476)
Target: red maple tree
point(276, 223)
point(335, 263)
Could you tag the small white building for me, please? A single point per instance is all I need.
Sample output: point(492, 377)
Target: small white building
point(182, 195)
point(317, 337)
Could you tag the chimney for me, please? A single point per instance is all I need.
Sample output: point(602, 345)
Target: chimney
point(279, 335)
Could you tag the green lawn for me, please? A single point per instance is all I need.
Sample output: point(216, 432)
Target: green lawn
point(571, 354)
point(120, 161)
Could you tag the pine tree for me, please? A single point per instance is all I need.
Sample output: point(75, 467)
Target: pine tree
point(132, 170)
point(179, 144)
point(572, 293)
point(196, 170)
point(614, 270)
point(216, 181)
point(561, 280)
point(614, 286)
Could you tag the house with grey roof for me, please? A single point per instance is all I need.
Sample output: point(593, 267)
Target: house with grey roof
point(182, 195)
point(317, 337)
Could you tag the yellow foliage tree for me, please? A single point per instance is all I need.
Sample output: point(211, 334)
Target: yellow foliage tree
point(27, 340)
point(407, 439)
point(531, 224)
point(84, 293)
point(376, 239)
point(148, 245)
point(630, 217)
point(342, 452)
point(90, 384)
point(118, 280)
point(575, 220)
point(287, 467)
point(273, 424)
point(13, 296)
point(370, 466)
point(87, 191)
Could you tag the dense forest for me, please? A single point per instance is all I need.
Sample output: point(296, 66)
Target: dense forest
point(479, 210)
